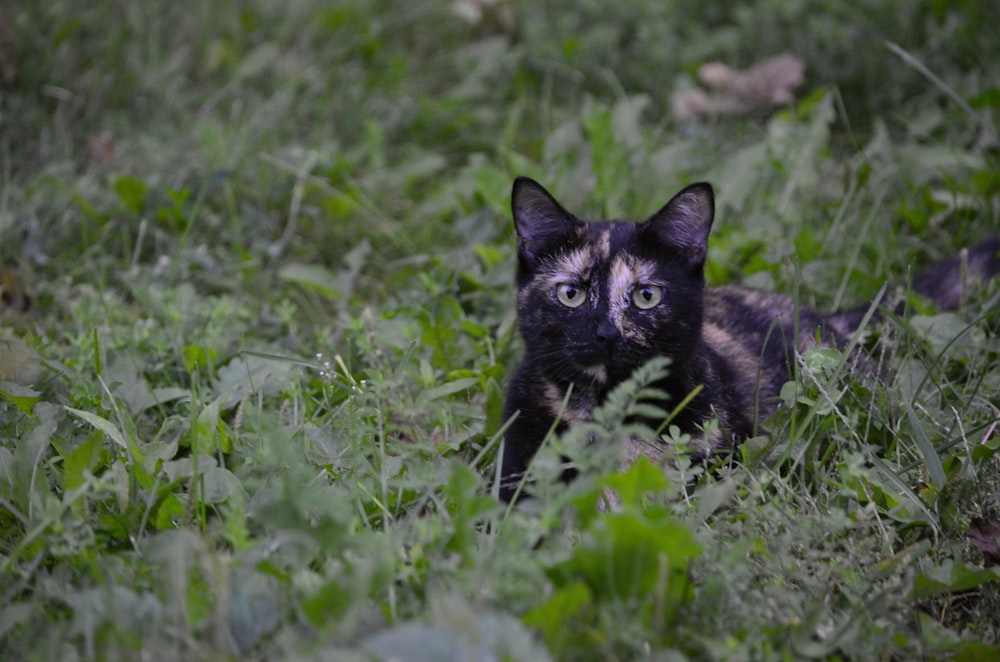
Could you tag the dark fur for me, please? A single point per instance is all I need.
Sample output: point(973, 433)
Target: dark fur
point(737, 344)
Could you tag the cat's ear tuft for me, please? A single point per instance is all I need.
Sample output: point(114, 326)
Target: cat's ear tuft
point(541, 222)
point(685, 221)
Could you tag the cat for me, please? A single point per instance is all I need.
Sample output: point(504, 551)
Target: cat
point(596, 300)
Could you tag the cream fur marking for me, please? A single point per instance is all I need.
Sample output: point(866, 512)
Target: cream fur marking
point(726, 345)
point(554, 398)
point(626, 273)
point(572, 267)
point(604, 244)
point(598, 372)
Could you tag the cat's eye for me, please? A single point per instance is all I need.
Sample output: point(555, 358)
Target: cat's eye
point(570, 295)
point(647, 296)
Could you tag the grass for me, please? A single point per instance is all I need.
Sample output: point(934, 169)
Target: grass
point(254, 409)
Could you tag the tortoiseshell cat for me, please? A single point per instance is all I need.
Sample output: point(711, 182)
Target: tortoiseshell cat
point(597, 300)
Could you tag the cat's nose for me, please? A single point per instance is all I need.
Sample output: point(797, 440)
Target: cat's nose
point(608, 332)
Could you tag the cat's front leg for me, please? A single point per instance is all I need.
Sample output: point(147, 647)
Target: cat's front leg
point(532, 421)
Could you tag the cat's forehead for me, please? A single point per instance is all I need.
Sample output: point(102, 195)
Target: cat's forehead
point(607, 249)
point(606, 238)
point(603, 242)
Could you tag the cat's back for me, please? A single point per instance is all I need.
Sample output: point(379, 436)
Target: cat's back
point(751, 337)
point(749, 316)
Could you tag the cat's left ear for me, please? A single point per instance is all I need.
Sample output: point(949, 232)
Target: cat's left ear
point(684, 222)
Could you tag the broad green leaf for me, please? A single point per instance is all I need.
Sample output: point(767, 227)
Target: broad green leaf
point(254, 608)
point(931, 458)
point(988, 98)
point(714, 496)
point(494, 407)
point(217, 485)
point(469, 508)
point(22, 397)
point(29, 451)
point(81, 460)
point(198, 356)
point(555, 616)
point(170, 513)
point(187, 465)
point(631, 554)
point(331, 601)
point(178, 196)
point(132, 192)
point(102, 424)
point(450, 388)
point(206, 433)
point(641, 478)
point(948, 331)
point(987, 448)
point(426, 373)
point(248, 374)
point(313, 277)
point(338, 286)
point(951, 576)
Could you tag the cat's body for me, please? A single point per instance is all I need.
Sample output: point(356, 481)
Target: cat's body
point(598, 300)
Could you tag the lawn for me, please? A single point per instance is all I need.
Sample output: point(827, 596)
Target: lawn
point(257, 317)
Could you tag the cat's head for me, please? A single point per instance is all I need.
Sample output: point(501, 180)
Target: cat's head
point(597, 300)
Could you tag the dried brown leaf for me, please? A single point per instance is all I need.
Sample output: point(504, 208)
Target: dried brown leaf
point(767, 84)
point(14, 297)
point(984, 533)
point(101, 146)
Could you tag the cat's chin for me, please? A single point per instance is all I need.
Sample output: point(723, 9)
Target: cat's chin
point(605, 375)
point(599, 373)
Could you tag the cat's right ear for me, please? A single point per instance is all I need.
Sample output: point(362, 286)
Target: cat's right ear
point(542, 224)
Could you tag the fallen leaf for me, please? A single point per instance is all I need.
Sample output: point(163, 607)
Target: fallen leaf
point(495, 14)
point(14, 297)
point(101, 146)
point(984, 533)
point(767, 84)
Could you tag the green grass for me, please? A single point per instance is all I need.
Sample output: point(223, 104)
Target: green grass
point(254, 410)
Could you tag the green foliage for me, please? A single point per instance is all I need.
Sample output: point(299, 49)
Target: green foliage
point(255, 408)
point(633, 562)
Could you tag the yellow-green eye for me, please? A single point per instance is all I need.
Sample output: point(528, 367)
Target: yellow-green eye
point(647, 296)
point(570, 295)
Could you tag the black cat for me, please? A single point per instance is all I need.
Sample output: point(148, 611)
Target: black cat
point(597, 300)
